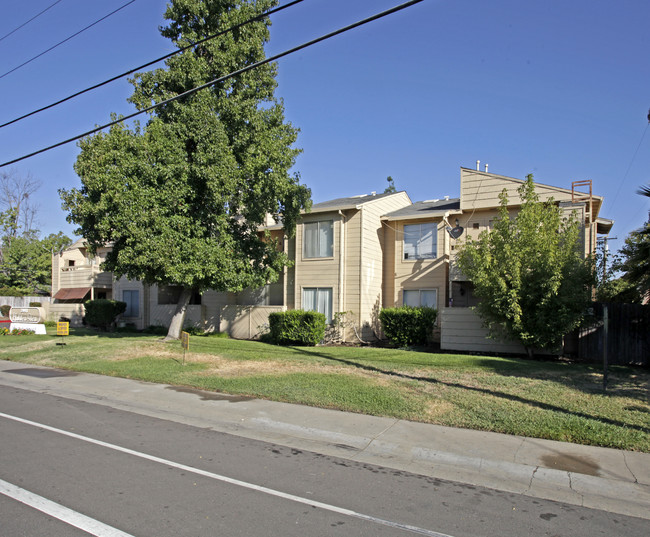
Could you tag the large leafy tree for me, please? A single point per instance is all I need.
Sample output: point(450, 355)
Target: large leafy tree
point(528, 272)
point(181, 198)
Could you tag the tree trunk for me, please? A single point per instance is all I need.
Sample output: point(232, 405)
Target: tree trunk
point(178, 319)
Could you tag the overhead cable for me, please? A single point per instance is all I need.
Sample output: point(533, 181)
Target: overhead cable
point(30, 20)
point(182, 49)
point(66, 39)
point(221, 79)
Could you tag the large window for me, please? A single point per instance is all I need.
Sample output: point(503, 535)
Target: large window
point(318, 239)
point(132, 299)
point(421, 241)
point(318, 299)
point(421, 297)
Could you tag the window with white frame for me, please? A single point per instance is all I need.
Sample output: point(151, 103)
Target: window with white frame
point(421, 241)
point(132, 299)
point(421, 298)
point(318, 299)
point(318, 239)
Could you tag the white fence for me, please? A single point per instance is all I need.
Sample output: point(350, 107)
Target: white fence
point(23, 301)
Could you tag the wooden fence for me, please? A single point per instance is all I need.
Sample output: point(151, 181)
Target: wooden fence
point(628, 335)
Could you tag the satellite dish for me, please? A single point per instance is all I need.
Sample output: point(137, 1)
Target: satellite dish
point(455, 232)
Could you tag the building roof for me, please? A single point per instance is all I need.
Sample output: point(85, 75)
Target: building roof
point(349, 203)
point(425, 209)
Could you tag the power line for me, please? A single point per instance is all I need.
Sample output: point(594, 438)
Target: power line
point(66, 39)
point(117, 77)
point(30, 20)
point(221, 79)
point(620, 185)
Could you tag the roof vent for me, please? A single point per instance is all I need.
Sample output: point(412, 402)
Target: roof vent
point(478, 165)
point(486, 166)
point(446, 198)
point(373, 193)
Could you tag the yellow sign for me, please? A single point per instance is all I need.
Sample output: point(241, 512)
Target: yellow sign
point(185, 340)
point(63, 329)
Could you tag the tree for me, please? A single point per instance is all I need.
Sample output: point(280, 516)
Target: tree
point(18, 213)
point(533, 284)
point(634, 257)
point(391, 186)
point(27, 266)
point(25, 260)
point(181, 199)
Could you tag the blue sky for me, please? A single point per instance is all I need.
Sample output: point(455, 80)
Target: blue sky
point(554, 88)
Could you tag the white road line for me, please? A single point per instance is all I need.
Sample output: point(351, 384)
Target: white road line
point(73, 518)
point(237, 482)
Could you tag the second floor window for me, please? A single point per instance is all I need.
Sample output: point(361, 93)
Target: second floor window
point(421, 241)
point(318, 239)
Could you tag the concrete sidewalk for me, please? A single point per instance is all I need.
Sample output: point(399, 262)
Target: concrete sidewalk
point(599, 478)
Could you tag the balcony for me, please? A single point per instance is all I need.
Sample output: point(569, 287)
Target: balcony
point(85, 276)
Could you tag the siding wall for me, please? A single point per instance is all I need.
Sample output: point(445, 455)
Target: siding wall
point(462, 330)
point(480, 190)
point(373, 246)
point(318, 272)
point(412, 274)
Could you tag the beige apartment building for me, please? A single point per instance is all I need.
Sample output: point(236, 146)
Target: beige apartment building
point(351, 256)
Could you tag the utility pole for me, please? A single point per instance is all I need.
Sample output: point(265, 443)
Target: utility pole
point(605, 251)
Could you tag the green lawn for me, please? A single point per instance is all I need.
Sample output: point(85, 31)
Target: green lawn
point(555, 400)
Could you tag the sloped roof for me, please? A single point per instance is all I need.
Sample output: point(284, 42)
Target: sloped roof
point(348, 203)
point(425, 209)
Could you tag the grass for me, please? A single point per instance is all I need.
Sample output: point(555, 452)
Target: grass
point(542, 399)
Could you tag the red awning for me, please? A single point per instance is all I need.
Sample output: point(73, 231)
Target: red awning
point(73, 293)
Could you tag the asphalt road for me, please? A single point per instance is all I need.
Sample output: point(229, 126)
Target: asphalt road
point(117, 474)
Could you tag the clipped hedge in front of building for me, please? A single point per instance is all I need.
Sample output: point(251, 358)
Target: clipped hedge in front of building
point(103, 312)
point(297, 327)
point(406, 326)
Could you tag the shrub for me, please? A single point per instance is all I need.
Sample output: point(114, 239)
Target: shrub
point(35, 304)
point(4, 309)
point(297, 327)
point(407, 326)
point(102, 312)
point(194, 331)
point(16, 332)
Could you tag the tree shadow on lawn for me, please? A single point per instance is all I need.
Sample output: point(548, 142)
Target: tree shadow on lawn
point(495, 393)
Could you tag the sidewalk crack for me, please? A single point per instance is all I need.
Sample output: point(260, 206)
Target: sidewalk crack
point(380, 433)
point(530, 483)
point(629, 469)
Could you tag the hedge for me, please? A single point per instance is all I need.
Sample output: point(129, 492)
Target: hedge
point(406, 326)
point(297, 327)
point(102, 312)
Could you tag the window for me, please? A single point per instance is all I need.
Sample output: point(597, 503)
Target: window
point(421, 298)
point(169, 294)
point(318, 240)
point(318, 299)
point(421, 241)
point(132, 299)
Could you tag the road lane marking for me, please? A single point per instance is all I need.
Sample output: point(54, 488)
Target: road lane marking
point(64, 514)
point(236, 482)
